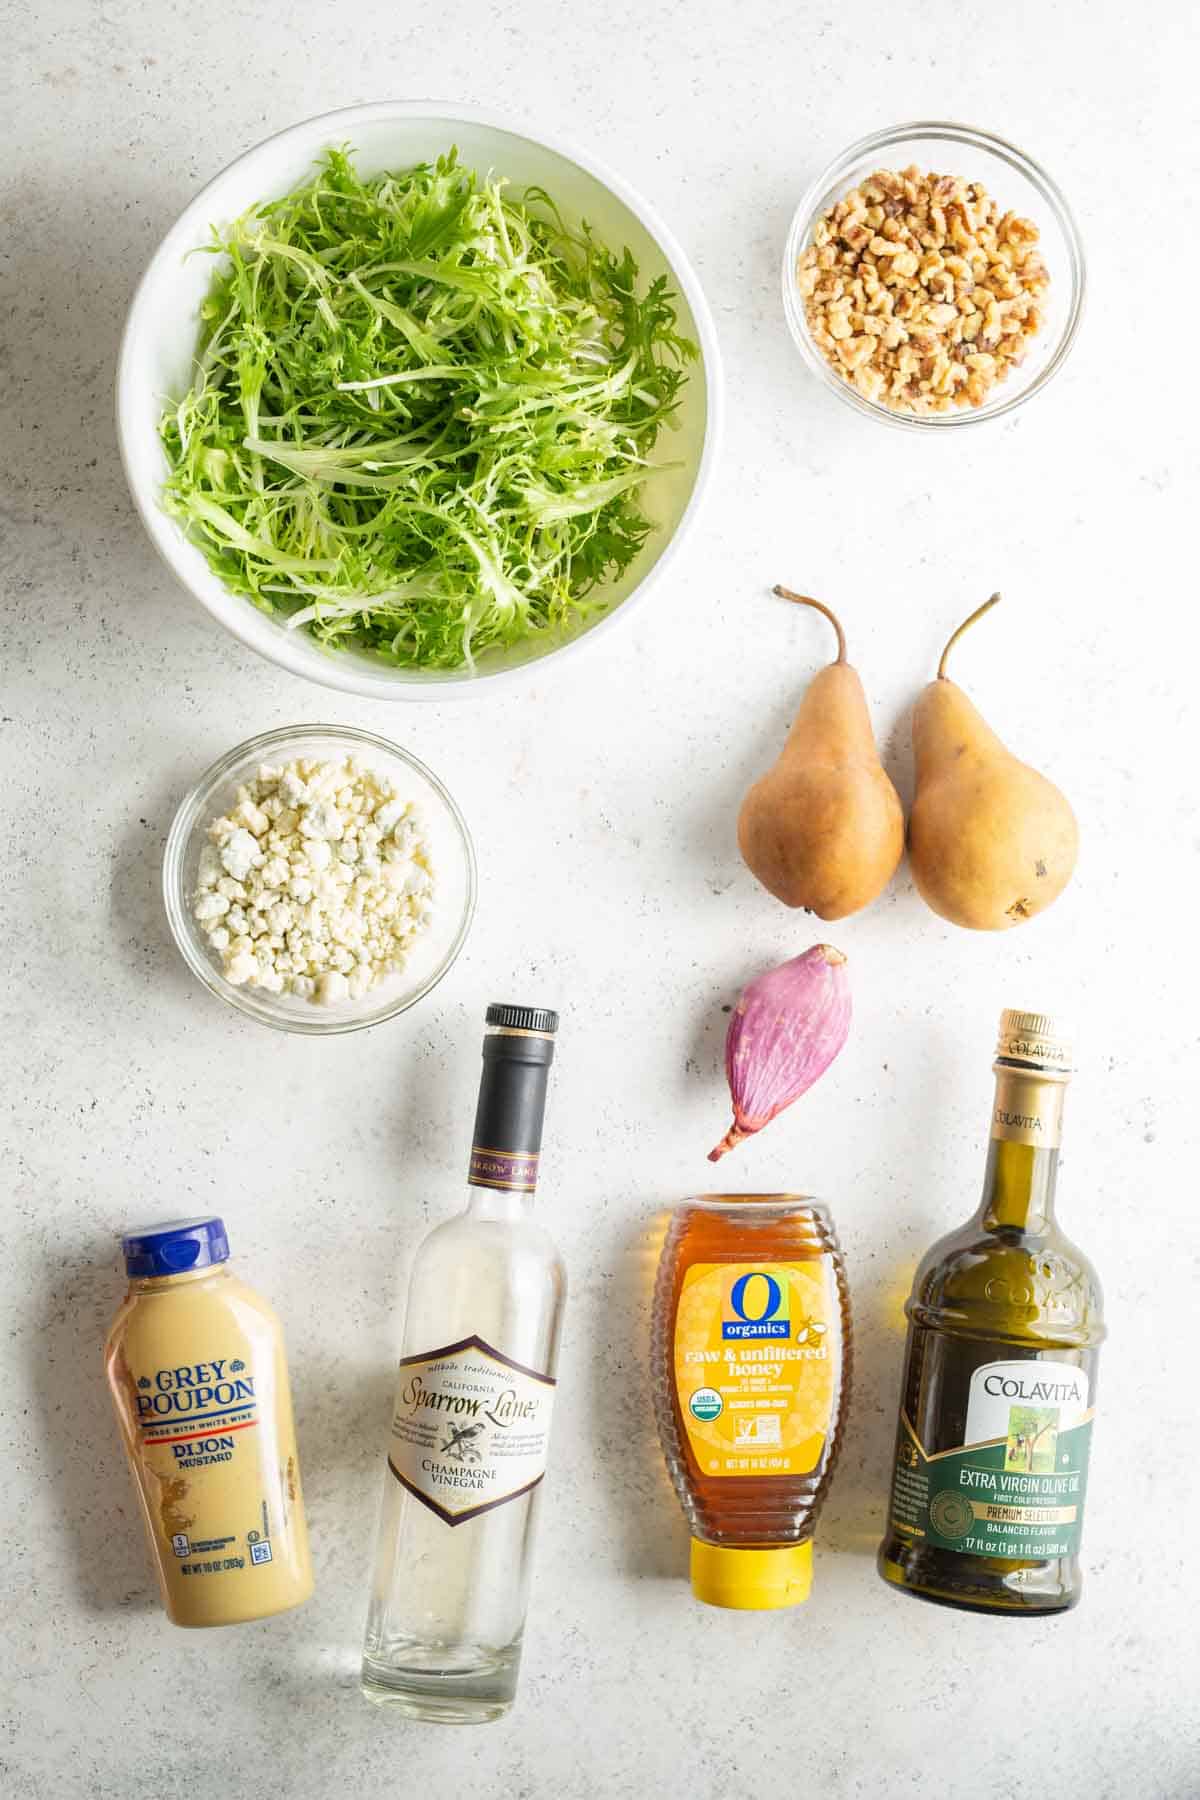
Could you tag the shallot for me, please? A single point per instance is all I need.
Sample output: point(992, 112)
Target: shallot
point(786, 1029)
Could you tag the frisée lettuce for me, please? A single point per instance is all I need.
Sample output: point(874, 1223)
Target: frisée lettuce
point(421, 413)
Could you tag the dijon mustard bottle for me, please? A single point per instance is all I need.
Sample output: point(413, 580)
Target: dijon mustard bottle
point(999, 1389)
point(196, 1366)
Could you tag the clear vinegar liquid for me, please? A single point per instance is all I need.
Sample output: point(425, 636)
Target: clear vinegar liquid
point(448, 1602)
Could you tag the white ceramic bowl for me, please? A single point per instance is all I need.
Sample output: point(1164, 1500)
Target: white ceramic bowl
point(451, 855)
point(163, 325)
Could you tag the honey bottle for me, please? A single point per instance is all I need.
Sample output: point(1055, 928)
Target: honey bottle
point(751, 1349)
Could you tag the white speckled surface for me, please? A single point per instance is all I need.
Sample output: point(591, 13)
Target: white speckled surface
point(603, 810)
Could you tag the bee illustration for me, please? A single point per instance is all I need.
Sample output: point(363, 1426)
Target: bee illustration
point(810, 1331)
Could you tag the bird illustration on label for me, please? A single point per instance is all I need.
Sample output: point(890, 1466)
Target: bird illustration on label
point(459, 1443)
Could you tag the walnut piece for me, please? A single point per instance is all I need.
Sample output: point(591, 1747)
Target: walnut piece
point(919, 292)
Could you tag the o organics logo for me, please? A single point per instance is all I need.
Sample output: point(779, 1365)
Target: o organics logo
point(758, 1306)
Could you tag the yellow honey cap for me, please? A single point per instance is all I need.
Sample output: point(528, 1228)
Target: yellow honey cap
point(1034, 1041)
point(751, 1580)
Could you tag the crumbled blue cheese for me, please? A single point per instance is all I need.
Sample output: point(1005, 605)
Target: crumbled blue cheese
point(316, 881)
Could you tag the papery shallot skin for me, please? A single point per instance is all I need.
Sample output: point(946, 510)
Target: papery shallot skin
point(785, 1031)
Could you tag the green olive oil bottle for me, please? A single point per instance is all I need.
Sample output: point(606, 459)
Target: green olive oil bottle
point(1005, 1324)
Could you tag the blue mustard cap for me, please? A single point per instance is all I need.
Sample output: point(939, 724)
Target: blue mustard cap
point(175, 1247)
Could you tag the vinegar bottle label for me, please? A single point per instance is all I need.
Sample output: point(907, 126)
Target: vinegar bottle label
point(471, 1429)
point(754, 1373)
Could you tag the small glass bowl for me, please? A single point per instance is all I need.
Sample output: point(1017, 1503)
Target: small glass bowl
point(451, 856)
point(1016, 183)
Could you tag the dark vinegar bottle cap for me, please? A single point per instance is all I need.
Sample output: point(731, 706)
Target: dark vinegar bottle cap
point(517, 1053)
point(523, 1018)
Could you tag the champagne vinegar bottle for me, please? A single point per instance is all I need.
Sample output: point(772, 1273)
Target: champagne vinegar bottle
point(471, 1425)
point(1005, 1324)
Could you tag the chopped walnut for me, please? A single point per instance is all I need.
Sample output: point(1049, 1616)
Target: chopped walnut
point(919, 292)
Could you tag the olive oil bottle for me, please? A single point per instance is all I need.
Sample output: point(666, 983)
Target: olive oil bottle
point(1005, 1324)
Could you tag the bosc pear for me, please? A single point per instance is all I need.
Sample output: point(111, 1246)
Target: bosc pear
point(990, 841)
point(824, 828)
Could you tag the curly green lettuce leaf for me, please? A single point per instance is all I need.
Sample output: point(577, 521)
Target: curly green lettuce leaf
point(422, 412)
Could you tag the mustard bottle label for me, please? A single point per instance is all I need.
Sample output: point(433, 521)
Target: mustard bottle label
point(471, 1429)
point(197, 1443)
point(754, 1373)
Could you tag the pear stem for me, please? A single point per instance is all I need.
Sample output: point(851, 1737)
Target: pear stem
point(965, 626)
point(806, 600)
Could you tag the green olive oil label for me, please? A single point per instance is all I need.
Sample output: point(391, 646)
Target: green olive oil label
point(1016, 1487)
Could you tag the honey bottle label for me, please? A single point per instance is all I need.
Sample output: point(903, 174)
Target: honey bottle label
point(1016, 1486)
point(471, 1429)
point(756, 1359)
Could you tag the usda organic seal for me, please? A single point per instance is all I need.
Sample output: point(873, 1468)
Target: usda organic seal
point(706, 1404)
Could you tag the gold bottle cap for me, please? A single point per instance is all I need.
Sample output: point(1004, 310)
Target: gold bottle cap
point(1033, 1041)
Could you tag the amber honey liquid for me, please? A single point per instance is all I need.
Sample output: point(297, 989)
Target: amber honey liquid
point(751, 1367)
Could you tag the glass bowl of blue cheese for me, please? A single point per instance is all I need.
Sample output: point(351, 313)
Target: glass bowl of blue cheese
point(319, 878)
